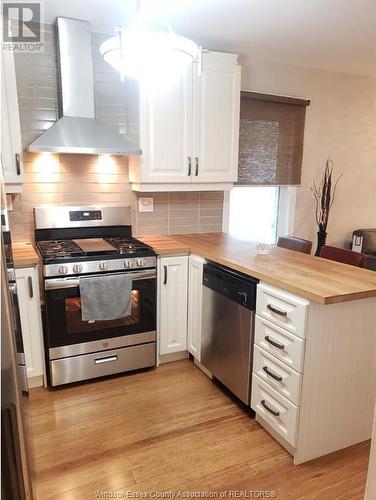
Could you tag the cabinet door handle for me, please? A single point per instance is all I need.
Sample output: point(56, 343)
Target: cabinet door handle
point(196, 160)
point(30, 285)
point(165, 275)
point(18, 163)
point(273, 342)
point(269, 409)
point(189, 166)
point(277, 311)
point(272, 374)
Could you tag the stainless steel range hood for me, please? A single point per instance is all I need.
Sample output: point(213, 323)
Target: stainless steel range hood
point(77, 131)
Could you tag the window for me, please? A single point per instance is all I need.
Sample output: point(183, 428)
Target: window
point(261, 206)
point(254, 213)
point(260, 213)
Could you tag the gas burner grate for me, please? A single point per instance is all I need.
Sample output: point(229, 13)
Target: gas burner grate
point(128, 245)
point(59, 248)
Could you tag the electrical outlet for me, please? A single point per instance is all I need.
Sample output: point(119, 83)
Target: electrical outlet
point(146, 204)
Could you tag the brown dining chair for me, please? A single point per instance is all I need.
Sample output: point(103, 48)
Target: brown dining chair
point(343, 255)
point(294, 243)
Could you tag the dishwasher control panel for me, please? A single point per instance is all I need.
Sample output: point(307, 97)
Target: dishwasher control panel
point(234, 285)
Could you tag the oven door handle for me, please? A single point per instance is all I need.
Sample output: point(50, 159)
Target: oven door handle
point(56, 283)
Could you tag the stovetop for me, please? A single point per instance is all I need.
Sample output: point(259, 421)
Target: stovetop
point(55, 251)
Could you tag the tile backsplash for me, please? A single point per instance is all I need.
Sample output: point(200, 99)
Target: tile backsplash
point(89, 179)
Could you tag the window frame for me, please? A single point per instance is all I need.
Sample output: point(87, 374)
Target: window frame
point(285, 214)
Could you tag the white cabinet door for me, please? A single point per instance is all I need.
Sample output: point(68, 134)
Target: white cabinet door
point(31, 321)
point(216, 118)
point(166, 132)
point(189, 132)
point(195, 271)
point(11, 147)
point(172, 320)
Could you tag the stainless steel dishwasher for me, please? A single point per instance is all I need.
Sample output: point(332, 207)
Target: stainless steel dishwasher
point(229, 302)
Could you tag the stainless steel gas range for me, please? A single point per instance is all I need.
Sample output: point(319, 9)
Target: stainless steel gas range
point(76, 242)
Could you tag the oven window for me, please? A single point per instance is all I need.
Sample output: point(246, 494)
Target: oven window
point(75, 325)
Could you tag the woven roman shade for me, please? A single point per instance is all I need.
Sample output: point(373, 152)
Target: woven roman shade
point(271, 139)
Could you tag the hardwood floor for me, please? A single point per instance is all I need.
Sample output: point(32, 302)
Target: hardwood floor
point(170, 429)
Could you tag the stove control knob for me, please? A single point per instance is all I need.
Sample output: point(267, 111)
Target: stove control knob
point(63, 270)
point(128, 264)
point(103, 266)
point(141, 262)
point(77, 268)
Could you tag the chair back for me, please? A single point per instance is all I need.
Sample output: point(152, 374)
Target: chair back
point(294, 243)
point(343, 255)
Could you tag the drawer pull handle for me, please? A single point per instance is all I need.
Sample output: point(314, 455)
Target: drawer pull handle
point(99, 361)
point(273, 342)
point(269, 409)
point(277, 311)
point(189, 165)
point(272, 374)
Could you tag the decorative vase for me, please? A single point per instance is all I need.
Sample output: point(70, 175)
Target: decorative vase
point(321, 240)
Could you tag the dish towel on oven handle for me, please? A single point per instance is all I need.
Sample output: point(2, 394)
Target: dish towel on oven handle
point(106, 297)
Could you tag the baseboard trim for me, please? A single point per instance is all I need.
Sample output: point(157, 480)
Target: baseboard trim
point(37, 381)
point(173, 356)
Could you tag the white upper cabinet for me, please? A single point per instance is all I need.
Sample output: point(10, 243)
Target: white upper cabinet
point(11, 146)
point(166, 132)
point(216, 123)
point(189, 132)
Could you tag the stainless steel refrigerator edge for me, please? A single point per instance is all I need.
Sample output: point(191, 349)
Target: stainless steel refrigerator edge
point(16, 482)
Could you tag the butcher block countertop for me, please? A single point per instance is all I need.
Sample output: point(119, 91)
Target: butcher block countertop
point(24, 255)
point(166, 245)
point(317, 279)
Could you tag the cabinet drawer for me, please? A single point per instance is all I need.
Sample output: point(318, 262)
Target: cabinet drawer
point(100, 364)
point(282, 344)
point(275, 409)
point(282, 378)
point(282, 308)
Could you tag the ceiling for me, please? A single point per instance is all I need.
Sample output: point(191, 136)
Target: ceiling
point(337, 35)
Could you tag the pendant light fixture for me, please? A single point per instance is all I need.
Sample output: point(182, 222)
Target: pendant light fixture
point(148, 54)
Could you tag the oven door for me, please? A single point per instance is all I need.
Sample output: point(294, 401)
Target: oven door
point(64, 323)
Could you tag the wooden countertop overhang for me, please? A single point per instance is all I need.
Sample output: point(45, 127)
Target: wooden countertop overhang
point(323, 281)
point(24, 255)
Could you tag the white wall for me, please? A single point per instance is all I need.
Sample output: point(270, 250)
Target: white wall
point(341, 123)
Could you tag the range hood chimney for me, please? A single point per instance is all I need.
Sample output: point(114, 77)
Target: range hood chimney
point(77, 131)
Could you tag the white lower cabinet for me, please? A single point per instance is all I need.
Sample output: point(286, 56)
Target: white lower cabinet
point(280, 343)
point(278, 361)
point(281, 377)
point(195, 271)
point(172, 304)
point(275, 409)
point(311, 373)
point(31, 323)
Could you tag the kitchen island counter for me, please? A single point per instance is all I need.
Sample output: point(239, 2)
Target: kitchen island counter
point(320, 280)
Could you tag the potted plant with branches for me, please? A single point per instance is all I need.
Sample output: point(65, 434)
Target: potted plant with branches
point(324, 194)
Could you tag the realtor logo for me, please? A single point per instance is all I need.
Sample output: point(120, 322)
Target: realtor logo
point(22, 26)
